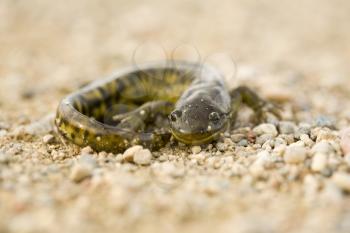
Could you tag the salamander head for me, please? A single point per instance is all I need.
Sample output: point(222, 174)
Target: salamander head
point(198, 121)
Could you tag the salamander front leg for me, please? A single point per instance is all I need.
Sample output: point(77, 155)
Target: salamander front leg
point(245, 95)
point(138, 119)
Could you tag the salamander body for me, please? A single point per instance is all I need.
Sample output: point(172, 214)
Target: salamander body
point(147, 104)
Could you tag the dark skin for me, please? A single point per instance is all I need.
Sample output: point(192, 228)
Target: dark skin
point(188, 101)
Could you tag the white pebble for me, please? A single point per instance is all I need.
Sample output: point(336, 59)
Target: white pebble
point(319, 162)
point(266, 129)
point(322, 147)
point(130, 152)
point(196, 149)
point(286, 127)
point(48, 138)
point(80, 172)
point(221, 146)
point(342, 180)
point(306, 139)
point(143, 157)
point(86, 150)
point(295, 154)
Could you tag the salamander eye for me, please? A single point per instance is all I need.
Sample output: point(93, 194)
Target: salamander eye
point(214, 117)
point(175, 115)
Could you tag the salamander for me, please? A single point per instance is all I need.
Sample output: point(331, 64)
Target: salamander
point(148, 104)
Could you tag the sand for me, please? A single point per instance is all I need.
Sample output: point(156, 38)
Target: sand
point(289, 175)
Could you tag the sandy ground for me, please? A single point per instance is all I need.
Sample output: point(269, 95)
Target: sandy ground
point(284, 176)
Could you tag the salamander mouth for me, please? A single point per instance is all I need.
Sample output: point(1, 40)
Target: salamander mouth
point(199, 138)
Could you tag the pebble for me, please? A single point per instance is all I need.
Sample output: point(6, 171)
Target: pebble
point(342, 180)
point(128, 155)
point(86, 150)
point(326, 135)
point(48, 138)
point(243, 142)
point(295, 154)
point(221, 146)
point(319, 162)
point(306, 139)
point(324, 121)
point(237, 137)
point(264, 138)
point(196, 149)
point(264, 129)
point(303, 128)
point(286, 127)
point(143, 157)
point(79, 172)
point(322, 147)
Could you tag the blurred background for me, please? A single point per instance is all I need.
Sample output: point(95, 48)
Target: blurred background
point(50, 48)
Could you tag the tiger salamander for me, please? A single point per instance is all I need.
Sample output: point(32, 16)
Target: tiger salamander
point(148, 104)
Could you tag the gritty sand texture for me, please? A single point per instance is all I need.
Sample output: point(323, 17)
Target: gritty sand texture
point(291, 175)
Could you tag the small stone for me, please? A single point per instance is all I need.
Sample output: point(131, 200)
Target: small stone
point(196, 149)
point(86, 150)
point(130, 152)
point(228, 141)
point(286, 127)
point(221, 146)
point(237, 137)
point(319, 162)
point(243, 142)
point(326, 135)
point(306, 139)
point(48, 138)
point(80, 172)
point(342, 180)
point(324, 121)
point(322, 147)
point(269, 129)
point(143, 157)
point(295, 154)
point(279, 150)
point(303, 128)
point(264, 138)
point(279, 141)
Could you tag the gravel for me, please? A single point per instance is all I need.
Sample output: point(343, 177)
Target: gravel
point(196, 149)
point(142, 157)
point(295, 154)
point(280, 175)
